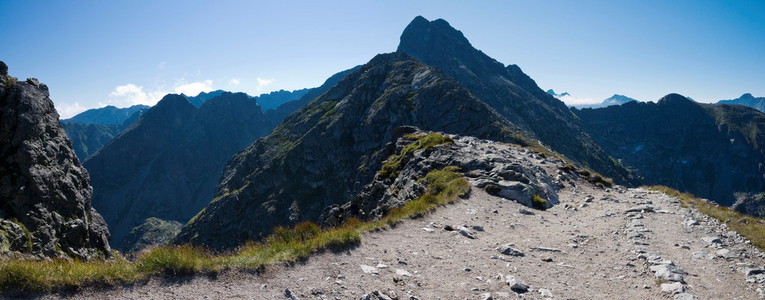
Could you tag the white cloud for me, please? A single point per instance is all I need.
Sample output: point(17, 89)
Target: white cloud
point(262, 83)
point(70, 110)
point(162, 65)
point(571, 100)
point(233, 82)
point(131, 94)
point(194, 88)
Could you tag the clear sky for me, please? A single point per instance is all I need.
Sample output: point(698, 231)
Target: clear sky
point(94, 53)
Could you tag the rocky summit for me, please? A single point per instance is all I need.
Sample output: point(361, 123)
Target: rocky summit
point(508, 90)
point(45, 194)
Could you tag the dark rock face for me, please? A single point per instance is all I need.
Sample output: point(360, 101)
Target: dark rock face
point(45, 193)
point(326, 152)
point(508, 90)
point(747, 99)
point(710, 150)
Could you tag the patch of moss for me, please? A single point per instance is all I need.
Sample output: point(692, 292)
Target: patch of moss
point(538, 202)
point(395, 163)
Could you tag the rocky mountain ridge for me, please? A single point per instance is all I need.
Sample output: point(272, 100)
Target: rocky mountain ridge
point(45, 195)
point(509, 91)
point(747, 100)
point(710, 150)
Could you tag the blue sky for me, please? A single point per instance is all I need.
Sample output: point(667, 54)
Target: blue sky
point(93, 53)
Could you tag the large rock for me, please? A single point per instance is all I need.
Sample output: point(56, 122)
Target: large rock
point(45, 193)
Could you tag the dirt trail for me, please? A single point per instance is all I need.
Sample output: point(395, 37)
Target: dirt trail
point(580, 249)
point(595, 244)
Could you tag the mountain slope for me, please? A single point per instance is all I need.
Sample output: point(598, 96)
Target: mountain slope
point(710, 150)
point(508, 90)
point(323, 154)
point(45, 195)
point(747, 100)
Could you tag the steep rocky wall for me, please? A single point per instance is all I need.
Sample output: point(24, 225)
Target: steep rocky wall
point(45, 193)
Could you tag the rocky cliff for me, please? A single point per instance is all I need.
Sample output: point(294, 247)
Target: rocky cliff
point(508, 90)
point(45, 194)
point(710, 150)
point(326, 152)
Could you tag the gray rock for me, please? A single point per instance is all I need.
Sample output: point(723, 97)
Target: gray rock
point(669, 272)
point(486, 296)
point(289, 295)
point(509, 250)
point(43, 186)
point(711, 240)
point(527, 212)
point(546, 249)
point(643, 208)
point(703, 255)
point(727, 254)
point(402, 272)
point(672, 288)
point(516, 285)
point(466, 233)
point(684, 296)
point(3, 68)
point(369, 269)
point(753, 271)
point(545, 293)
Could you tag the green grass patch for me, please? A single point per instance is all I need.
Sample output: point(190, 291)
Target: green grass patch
point(283, 245)
point(747, 226)
point(538, 202)
point(395, 163)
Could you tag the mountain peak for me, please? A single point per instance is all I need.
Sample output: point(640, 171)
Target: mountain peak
point(421, 37)
point(674, 99)
point(746, 96)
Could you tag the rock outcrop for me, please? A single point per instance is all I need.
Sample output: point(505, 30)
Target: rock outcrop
point(45, 194)
point(325, 153)
point(710, 150)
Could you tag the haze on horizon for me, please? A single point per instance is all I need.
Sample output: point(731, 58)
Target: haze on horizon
point(96, 53)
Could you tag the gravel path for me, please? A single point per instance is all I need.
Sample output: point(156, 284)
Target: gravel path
point(587, 247)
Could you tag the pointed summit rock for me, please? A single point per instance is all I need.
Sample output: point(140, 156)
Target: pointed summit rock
point(45, 194)
point(508, 90)
point(323, 154)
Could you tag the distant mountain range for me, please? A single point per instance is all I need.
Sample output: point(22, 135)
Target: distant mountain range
point(167, 163)
point(747, 100)
point(710, 150)
point(616, 99)
point(94, 128)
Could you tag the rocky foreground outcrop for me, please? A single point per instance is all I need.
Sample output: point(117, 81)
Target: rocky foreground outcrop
point(45, 193)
